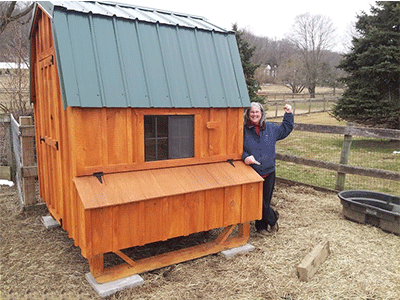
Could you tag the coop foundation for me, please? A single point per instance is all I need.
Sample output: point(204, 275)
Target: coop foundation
point(238, 250)
point(109, 288)
point(49, 222)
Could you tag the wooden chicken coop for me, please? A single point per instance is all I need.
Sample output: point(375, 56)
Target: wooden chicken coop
point(139, 131)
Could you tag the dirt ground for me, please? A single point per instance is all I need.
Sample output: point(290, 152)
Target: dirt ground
point(364, 263)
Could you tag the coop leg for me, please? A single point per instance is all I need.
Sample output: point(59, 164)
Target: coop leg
point(96, 265)
point(244, 230)
point(223, 242)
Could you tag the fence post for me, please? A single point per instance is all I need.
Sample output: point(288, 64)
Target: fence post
point(10, 169)
point(28, 171)
point(344, 159)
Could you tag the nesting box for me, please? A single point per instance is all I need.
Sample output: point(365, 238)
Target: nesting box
point(139, 128)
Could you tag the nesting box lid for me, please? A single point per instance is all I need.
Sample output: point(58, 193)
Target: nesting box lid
point(128, 187)
point(119, 55)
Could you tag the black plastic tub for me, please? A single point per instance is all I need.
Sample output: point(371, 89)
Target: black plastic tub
point(378, 209)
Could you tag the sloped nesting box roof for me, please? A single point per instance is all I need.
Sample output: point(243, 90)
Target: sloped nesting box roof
point(117, 55)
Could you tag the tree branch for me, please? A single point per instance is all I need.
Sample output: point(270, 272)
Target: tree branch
point(7, 17)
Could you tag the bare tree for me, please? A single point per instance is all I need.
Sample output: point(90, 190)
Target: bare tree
point(312, 35)
point(14, 85)
point(14, 49)
point(10, 11)
point(292, 74)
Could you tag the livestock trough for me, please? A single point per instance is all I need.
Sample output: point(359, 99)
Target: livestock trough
point(378, 209)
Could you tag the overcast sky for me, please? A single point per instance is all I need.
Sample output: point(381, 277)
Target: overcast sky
point(272, 19)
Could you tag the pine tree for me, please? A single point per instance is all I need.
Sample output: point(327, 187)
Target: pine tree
point(372, 96)
point(246, 53)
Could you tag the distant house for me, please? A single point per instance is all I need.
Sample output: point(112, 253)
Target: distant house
point(139, 128)
point(7, 67)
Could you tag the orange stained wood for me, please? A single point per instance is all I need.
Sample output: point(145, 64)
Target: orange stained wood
point(120, 188)
point(124, 151)
point(222, 242)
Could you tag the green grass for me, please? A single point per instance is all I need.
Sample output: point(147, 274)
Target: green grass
point(364, 152)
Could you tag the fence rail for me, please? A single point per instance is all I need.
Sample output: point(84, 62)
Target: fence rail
point(285, 96)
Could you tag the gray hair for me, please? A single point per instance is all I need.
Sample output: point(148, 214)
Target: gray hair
point(247, 112)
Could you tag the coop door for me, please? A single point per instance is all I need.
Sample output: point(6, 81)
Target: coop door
point(47, 119)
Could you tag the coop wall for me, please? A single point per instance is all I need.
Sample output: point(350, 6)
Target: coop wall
point(112, 140)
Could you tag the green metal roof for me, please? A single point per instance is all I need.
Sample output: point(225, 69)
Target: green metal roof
point(117, 55)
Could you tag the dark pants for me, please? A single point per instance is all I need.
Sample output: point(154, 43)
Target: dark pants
point(269, 217)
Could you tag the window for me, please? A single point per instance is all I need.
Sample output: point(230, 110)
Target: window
point(168, 137)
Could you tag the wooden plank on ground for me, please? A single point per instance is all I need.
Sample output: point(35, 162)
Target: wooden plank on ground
point(310, 264)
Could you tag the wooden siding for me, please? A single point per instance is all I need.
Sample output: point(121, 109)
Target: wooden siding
point(116, 139)
point(127, 187)
point(135, 208)
point(112, 228)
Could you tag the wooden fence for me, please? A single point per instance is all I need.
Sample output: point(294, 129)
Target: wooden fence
point(342, 168)
point(300, 106)
point(286, 96)
point(20, 139)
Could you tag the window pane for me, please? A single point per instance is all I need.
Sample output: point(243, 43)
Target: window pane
point(181, 137)
point(168, 137)
point(149, 126)
point(150, 149)
point(162, 126)
point(162, 149)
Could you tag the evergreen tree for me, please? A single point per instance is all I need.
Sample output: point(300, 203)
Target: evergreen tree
point(372, 96)
point(246, 53)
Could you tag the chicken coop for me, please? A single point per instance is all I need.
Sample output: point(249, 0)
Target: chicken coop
point(139, 131)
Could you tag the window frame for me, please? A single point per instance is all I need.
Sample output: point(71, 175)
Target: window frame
point(156, 138)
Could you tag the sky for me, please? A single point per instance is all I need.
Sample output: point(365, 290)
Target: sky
point(272, 19)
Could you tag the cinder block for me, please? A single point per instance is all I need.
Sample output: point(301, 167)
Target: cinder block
point(238, 250)
point(109, 288)
point(49, 222)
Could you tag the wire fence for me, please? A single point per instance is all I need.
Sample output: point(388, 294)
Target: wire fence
point(367, 153)
point(17, 150)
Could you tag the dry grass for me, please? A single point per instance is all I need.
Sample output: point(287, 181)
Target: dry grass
point(364, 262)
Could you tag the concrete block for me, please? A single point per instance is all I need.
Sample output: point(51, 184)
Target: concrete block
point(49, 222)
point(109, 288)
point(238, 250)
point(5, 172)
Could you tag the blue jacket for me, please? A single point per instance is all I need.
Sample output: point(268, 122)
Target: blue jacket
point(262, 146)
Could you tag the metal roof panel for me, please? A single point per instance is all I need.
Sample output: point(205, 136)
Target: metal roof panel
point(106, 59)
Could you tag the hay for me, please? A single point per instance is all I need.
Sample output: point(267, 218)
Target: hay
point(364, 262)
